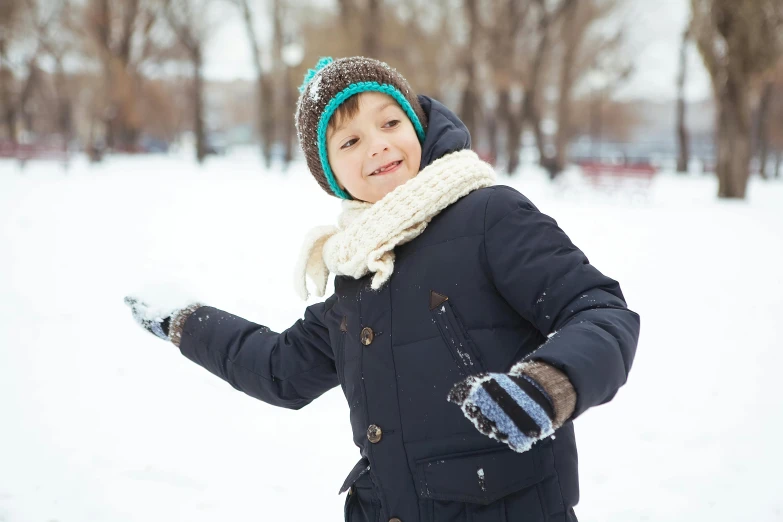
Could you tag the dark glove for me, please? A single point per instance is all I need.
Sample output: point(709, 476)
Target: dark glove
point(155, 323)
point(509, 407)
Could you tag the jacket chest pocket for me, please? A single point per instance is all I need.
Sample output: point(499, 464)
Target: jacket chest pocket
point(455, 335)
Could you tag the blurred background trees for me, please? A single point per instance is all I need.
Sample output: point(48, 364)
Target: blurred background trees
point(739, 41)
point(534, 80)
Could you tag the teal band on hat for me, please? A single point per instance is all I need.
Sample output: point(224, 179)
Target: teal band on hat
point(323, 123)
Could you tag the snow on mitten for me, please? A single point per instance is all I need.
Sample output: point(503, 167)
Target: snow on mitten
point(509, 407)
point(154, 321)
point(165, 323)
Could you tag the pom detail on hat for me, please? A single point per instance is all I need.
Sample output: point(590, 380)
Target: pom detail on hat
point(323, 62)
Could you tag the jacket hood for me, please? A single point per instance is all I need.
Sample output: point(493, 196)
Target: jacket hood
point(445, 132)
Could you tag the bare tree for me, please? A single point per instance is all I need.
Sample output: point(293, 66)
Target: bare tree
point(413, 40)
point(121, 32)
point(762, 124)
point(585, 51)
point(114, 56)
point(505, 59)
point(264, 113)
point(349, 18)
point(20, 53)
point(682, 131)
point(9, 28)
point(56, 35)
point(188, 21)
point(548, 17)
point(469, 103)
point(362, 24)
point(284, 33)
point(373, 25)
point(774, 127)
point(572, 33)
point(737, 39)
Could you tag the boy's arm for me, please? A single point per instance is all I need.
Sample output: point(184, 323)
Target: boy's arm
point(550, 283)
point(288, 369)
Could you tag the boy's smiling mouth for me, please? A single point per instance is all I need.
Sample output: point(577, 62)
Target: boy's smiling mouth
point(389, 167)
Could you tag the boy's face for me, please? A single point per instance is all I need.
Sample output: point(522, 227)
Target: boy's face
point(375, 151)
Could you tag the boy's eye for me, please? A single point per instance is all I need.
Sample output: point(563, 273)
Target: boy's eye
point(392, 123)
point(348, 143)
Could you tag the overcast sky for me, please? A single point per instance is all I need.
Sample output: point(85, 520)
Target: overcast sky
point(655, 29)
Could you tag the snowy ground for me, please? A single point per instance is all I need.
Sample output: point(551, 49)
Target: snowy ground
point(100, 421)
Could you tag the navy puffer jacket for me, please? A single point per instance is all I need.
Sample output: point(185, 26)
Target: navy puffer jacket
point(516, 286)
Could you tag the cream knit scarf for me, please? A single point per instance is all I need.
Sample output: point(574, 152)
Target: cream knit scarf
point(367, 233)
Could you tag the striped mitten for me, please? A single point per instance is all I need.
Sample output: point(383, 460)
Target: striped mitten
point(508, 407)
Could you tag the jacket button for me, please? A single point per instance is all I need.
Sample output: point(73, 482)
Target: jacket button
point(395, 519)
point(374, 434)
point(367, 336)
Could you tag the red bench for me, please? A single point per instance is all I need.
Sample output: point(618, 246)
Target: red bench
point(636, 176)
point(33, 151)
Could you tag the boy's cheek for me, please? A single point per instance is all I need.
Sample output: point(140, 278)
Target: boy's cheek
point(416, 163)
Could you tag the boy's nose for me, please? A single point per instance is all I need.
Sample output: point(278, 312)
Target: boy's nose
point(379, 144)
point(377, 150)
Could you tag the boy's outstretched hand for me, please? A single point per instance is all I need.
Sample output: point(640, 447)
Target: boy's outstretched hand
point(154, 322)
point(509, 407)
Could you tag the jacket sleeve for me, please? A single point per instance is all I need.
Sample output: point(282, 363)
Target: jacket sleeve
point(552, 285)
point(288, 369)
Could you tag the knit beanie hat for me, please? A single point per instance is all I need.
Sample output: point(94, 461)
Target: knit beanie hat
point(330, 84)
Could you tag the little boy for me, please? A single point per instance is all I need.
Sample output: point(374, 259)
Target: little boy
point(465, 327)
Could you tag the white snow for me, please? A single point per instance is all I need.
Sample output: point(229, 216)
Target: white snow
point(101, 421)
point(161, 299)
point(315, 88)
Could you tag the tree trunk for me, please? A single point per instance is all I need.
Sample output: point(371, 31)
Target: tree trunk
point(348, 18)
point(263, 107)
point(255, 50)
point(28, 87)
point(530, 111)
point(285, 103)
point(9, 117)
point(762, 124)
point(127, 123)
point(734, 40)
point(267, 118)
point(198, 104)
point(289, 132)
point(533, 118)
point(468, 106)
point(682, 132)
point(6, 95)
point(733, 141)
point(64, 107)
point(596, 109)
point(102, 27)
point(491, 123)
point(372, 29)
point(514, 125)
point(778, 161)
point(505, 117)
point(563, 135)
point(469, 102)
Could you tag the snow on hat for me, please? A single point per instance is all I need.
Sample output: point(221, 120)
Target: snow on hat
point(329, 85)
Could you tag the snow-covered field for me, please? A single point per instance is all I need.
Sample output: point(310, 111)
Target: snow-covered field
point(100, 421)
